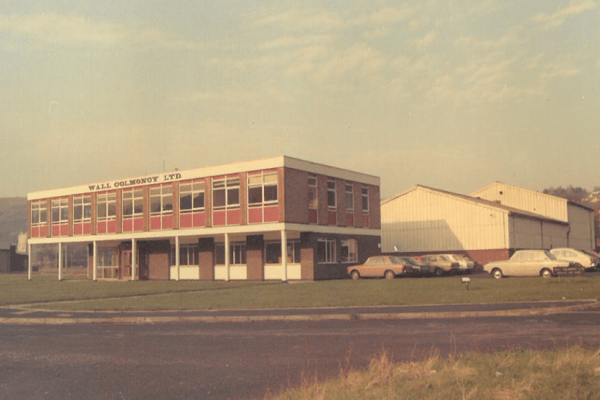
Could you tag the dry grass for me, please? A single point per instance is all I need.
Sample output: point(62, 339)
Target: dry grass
point(508, 375)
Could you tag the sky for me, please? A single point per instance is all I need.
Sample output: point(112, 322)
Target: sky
point(452, 94)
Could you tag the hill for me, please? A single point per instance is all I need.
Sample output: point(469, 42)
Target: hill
point(13, 218)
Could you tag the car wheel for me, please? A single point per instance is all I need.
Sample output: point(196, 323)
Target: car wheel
point(438, 272)
point(355, 275)
point(389, 275)
point(546, 273)
point(497, 273)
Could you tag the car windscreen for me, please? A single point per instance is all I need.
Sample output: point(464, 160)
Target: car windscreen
point(550, 255)
point(396, 260)
point(411, 260)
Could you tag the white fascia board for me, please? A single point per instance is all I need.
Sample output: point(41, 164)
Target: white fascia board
point(333, 172)
point(208, 232)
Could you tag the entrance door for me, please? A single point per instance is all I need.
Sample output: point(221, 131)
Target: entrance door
point(126, 264)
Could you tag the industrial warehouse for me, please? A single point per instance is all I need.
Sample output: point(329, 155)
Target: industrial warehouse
point(272, 219)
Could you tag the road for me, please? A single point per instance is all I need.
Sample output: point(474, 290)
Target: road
point(225, 360)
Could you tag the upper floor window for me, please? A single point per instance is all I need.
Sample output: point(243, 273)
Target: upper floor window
point(349, 197)
point(133, 203)
point(82, 208)
point(106, 206)
point(262, 189)
point(331, 194)
point(191, 196)
point(60, 211)
point(161, 200)
point(226, 193)
point(313, 199)
point(38, 213)
point(365, 198)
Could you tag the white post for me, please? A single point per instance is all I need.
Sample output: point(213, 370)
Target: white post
point(177, 255)
point(227, 276)
point(28, 261)
point(95, 261)
point(133, 258)
point(60, 261)
point(284, 255)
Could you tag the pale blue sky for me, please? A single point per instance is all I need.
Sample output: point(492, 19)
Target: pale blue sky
point(449, 94)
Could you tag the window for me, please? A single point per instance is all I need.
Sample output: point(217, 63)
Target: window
point(313, 199)
point(188, 255)
point(38, 213)
point(106, 206)
point(326, 251)
point(226, 193)
point(191, 196)
point(331, 195)
point(273, 252)
point(349, 251)
point(365, 199)
point(133, 203)
point(262, 189)
point(237, 254)
point(349, 197)
point(108, 263)
point(60, 211)
point(161, 200)
point(82, 208)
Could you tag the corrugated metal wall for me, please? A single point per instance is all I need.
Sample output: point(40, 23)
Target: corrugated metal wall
point(582, 234)
point(426, 220)
point(524, 199)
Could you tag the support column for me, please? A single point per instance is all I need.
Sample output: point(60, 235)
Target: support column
point(60, 261)
point(28, 261)
point(227, 272)
point(95, 261)
point(133, 259)
point(284, 255)
point(177, 256)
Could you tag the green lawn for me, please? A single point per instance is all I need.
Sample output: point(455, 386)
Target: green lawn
point(197, 295)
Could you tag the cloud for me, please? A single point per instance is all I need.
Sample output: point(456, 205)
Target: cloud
point(56, 28)
point(296, 41)
point(425, 41)
point(559, 17)
point(387, 15)
point(312, 20)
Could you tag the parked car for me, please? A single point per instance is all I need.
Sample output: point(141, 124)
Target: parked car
point(418, 267)
point(387, 267)
point(465, 264)
point(576, 256)
point(594, 255)
point(441, 264)
point(531, 263)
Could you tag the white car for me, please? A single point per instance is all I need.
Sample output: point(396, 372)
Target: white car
point(532, 263)
point(465, 265)
point(575, 256)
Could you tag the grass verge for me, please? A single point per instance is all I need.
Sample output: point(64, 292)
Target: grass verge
point(572, 373)
point(198, 295)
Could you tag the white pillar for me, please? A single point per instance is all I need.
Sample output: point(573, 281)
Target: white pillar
point(284, 255)
point(95, 261)
point(28, 261)
point(133, 259)
point(60, 261)
point(227, 276)
point(177, 256)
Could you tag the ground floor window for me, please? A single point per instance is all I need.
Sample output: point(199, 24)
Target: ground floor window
point(108, 263)
point(349, 251)
point(237, 254)
point(188, 255)
point(326, 251)
point(273, 252)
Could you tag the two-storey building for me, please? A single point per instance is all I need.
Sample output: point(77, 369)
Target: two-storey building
point(278, 218)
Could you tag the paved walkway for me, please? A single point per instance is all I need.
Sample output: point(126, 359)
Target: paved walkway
point(16, 315)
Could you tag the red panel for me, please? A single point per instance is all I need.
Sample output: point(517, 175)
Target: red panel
point(128, 225)
point(112, 227)
point(102, 227)
point(199, 219)
point(312, 216)
point(185, 221)
point(167, 222)
point(35, 231)
point(43, 231)
point(64, 230)
point(138, 224)
point(155, 223)
point(255, 215)
point(218, 218)
point(77, 228)
point(272, 214)
point(233, 217)
point(87, 228)
point(55, 230)
point(349, 219)
point(332, 217)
